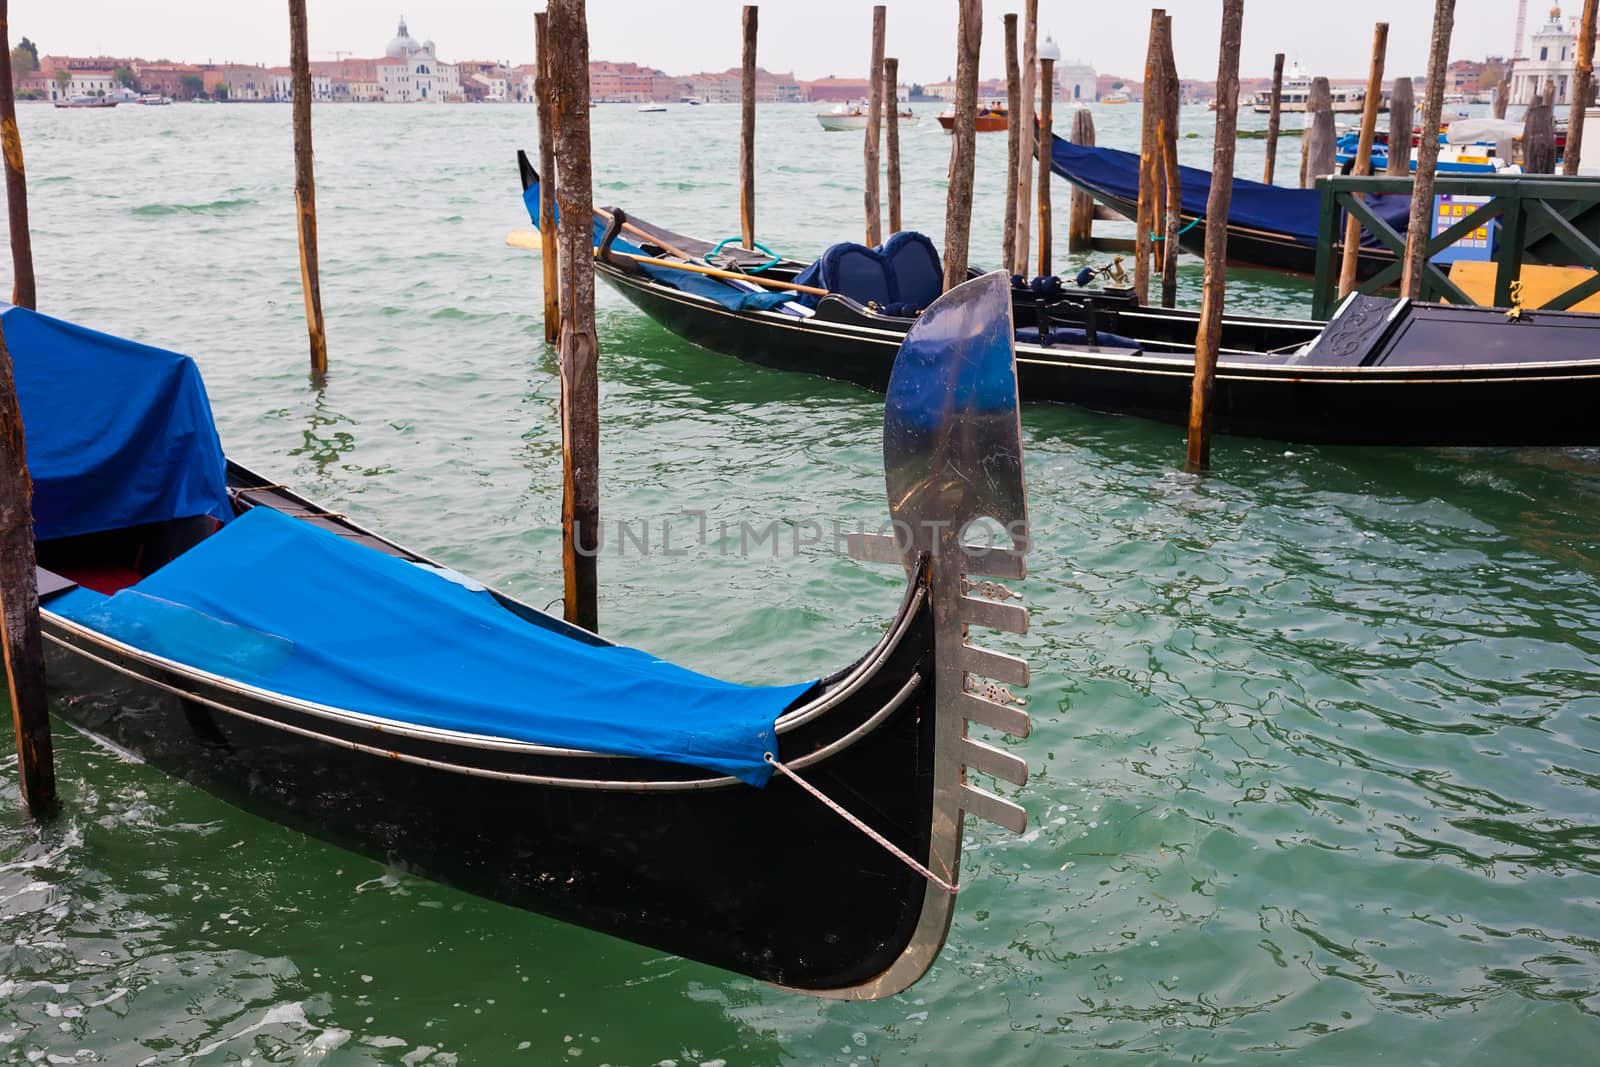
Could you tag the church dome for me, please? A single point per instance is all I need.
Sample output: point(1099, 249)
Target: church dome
point(402, 45)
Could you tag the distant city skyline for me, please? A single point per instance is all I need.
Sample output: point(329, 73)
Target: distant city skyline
point(815, 40)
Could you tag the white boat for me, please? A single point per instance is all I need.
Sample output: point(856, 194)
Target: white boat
point(78, 100)
point(1119, 97)
point(153, 100)
point(854, 117)
point(651, 108)
point(1297, 91)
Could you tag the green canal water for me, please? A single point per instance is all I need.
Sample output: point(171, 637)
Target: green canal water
point(1316, 757)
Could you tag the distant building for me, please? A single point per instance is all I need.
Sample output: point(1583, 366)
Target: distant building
point(1075, 80)
point(621, 82)
point(167, 79)
point(838, 90)
point(90, 75)
point(1552, 55)
point(244, 82)
point(411, 72)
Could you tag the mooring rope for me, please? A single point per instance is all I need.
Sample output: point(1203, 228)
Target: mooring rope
point(1192, 224)
point(888, 845)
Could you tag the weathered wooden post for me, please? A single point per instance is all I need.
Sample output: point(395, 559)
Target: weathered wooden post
point(1273, 117)
point(891, 87)
point(1025, 136)
point(22, 286)
point(20, 640)
point(958, 206)
point(1320, 140)
point(1363, 162)
point(747, 133)
point(1582, 86)
point(1208, 337)
point(305, 196)
point(1047, 100)
point(874, 127)
point(1171, 182)
point(1550, 91)
point(1420, 227)
point(1013, 140)
point(1539, 139)
point(549, 256)
point(1402, 111)
point(1080, 216)
point(579, 348)
point(1502, 93)
point(1149, 162)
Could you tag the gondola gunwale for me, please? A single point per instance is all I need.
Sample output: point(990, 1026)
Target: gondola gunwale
point(1134, 360)
point(838, 689)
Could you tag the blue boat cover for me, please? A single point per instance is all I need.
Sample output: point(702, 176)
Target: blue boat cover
point(277, 603)
point(118, 433)
point(1292, 213)
point(728, 295)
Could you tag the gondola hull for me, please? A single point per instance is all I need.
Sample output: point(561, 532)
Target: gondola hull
point(726, 875)
point(1527, 403)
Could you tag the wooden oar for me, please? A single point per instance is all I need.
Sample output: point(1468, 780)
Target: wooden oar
point(695, 268)
point(530, 240)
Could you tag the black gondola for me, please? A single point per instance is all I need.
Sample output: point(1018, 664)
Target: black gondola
point(1269, 226)
point(161, 563)
point(1380, 372)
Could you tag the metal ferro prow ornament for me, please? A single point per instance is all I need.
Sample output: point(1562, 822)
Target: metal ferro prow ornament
point(952, 452)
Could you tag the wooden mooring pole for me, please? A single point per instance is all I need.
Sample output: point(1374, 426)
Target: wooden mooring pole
point(1502, 93)
point(1208, 337)
point(549, 257)
point(747, 133)
point(1363, 162)
point(1171, 182)
point(20, 643)
point(1047, 102)
point(1539, 139)
point(874, 127)
point(1026, 140)
point(1420, 227)
point(891, 141)
point(305, 195)
point(23, 293)
point(1273, 118)
point(963, 137)
point(1582, 87)
point(1008, 242)
point(1080, 215)
point(579, 347)
point(1321, 139)
point(1402, 110)
point(1149, 162)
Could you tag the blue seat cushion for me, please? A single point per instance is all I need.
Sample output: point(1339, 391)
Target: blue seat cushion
point(914, 268)
point(903, 274)
point(1029, 335)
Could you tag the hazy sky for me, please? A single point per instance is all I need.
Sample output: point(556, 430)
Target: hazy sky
point(812, 37)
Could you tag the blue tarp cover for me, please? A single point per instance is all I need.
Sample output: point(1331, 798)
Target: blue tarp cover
point(1291, 212)
point(277, 603)
point(118, 433)
point(729, 296)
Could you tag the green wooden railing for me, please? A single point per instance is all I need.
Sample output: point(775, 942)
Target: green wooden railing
point(1544, 219)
